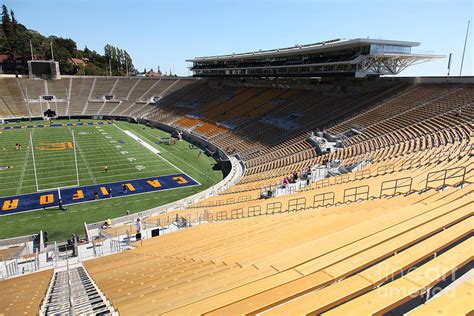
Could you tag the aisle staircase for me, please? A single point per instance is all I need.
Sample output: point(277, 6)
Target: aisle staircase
point(73, 292)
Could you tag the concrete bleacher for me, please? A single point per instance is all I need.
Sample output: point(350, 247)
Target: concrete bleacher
point(79, 95)
point(12, 102)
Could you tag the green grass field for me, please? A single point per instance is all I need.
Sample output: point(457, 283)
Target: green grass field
point(95, 147)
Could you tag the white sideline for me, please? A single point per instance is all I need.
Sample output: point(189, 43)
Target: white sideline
point(153, 149)
point(142, 142)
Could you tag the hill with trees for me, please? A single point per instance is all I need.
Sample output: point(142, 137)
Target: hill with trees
point(15, 52)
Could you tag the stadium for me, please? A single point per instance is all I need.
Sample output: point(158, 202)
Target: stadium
point(311, 179)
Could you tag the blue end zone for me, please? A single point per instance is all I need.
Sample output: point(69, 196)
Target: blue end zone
point(55, 125)
point(35, 201)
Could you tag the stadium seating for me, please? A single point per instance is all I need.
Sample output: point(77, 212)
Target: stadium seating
point(12, 104)
point(333, 247)
point(446, 305)
point(10, 253)
point(191, 272)
point(23, 295)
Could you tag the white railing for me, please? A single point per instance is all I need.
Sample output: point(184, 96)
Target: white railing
point(304, 180)
point(233, 177)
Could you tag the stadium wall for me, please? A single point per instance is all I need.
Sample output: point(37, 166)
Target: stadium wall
point(444, 79)
point(17, 240)
point(237, 170)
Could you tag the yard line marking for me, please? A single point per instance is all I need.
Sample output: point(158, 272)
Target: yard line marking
point(85, 162)
point(34, 163)
point(148, 145)
point(178, 158)
point(23, 170)
point(99, 162)
point(75, 155)
point(153, 149)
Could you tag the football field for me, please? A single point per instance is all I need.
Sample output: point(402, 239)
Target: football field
point(96, 153)
point(55, 159)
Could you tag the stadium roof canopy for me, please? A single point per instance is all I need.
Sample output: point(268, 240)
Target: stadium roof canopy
point(349, 58)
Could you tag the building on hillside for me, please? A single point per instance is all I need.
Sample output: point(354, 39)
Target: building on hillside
point(9, 65)
point(3, 59)
point(77, 61)
point(152, 73)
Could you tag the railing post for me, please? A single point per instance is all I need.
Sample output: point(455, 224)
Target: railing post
point(93, 248)
point(56, 252)
point(71, 306)
point(37, 265)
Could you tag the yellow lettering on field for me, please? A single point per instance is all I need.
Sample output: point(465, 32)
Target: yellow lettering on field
point(154, 183)
point(10, 205)
point(78, 195)
point(46, 199)
point(104, 191)
point(130, 187)
point(180, 180)
point(55, 146)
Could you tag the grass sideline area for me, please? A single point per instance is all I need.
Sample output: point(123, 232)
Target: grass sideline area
point(96, 146)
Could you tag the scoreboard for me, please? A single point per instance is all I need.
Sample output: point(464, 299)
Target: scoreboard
point(44, 69)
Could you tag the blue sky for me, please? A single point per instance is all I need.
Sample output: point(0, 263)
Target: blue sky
point(167, 32)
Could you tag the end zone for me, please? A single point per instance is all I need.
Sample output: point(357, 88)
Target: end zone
point(75, 195)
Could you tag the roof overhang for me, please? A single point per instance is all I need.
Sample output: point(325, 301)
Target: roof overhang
point(391, 64)
point(362, 66)
point(305, 49)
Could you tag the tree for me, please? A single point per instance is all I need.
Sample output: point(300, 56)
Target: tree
point(7, 29)
point(92, 70)
point(15, 41)
point(14, 35)
point(119, 59)
point(19, 39)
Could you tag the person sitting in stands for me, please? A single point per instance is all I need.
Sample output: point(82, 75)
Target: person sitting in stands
point(107, 223)
point(326, 162)
point(295, 176)
point(286, 181)
point(307, 175)
point(291, 178)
